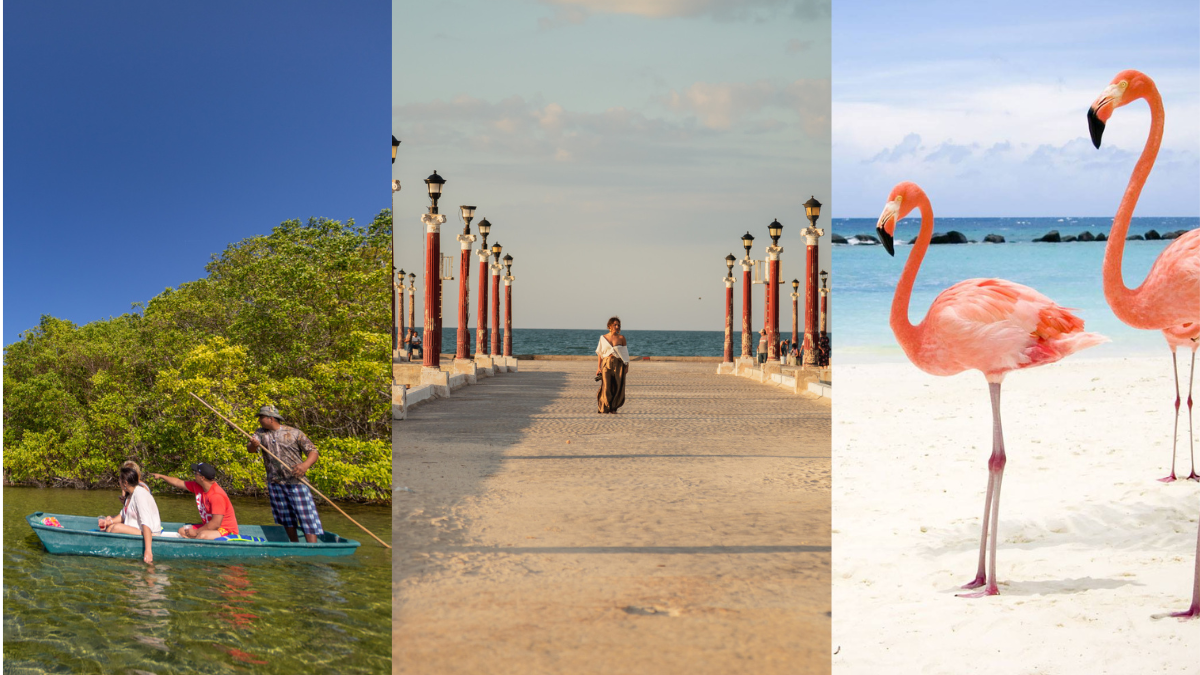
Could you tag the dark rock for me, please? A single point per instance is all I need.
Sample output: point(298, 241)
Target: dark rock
point(1052, 237)
point(1134, 237)
point(1173, 235)
point(866, 239)
point(1152, 235)
point(837, 238)
point(1102, 237)
point(1070, 237)
point(993, 239)
point(1085, 236)
point(951, 237)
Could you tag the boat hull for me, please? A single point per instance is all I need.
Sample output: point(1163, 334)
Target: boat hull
point(79, 536)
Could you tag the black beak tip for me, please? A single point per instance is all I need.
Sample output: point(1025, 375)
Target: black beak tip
point(1095, 126)
point(886, 239)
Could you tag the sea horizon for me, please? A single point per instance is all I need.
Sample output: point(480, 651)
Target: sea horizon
point(864, 277)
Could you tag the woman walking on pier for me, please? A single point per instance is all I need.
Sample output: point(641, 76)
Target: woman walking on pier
point(612, 363)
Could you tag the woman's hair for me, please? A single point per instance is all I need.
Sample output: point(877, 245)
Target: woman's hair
point(130, 476)
point(612, 320)
point(133, 465)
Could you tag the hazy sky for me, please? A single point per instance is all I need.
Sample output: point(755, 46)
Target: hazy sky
point(619, 149)
point(984, 105)
point(141, 137)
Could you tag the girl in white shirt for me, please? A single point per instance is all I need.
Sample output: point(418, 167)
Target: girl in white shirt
point(139, 516)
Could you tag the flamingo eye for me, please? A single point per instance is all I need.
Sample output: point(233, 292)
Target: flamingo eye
point(1123, 85)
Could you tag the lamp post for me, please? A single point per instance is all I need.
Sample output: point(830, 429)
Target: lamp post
point(508, 279)
point(433, 277)
point(823, 345)
point(497, 249)
point(398, 309)
point(795, 310)
point(464, 287)
point(747, 284)
point(729, 262)
point(397, 297)
point(481, 318)
point(773, 251)
point(812, 234)
point(412, 300)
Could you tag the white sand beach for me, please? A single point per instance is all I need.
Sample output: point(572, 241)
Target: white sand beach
point(1091, 545)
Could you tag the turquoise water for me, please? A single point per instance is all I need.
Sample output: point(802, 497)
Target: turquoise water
point(77, 614)
point(864, 277)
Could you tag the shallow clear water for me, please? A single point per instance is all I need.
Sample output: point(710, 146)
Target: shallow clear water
point(69, 614)
point(865, 277)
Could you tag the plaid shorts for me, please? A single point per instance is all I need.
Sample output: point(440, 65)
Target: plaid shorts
point(292, 505)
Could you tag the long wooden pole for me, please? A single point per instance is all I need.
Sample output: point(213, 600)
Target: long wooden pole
point(302, 480)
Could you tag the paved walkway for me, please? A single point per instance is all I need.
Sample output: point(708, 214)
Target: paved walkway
point(688, 533)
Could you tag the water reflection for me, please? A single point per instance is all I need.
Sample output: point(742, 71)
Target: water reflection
point(147, 588)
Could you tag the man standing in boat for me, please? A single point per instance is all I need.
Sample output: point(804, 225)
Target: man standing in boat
point(291, 502)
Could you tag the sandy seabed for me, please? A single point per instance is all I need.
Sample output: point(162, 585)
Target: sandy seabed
point(1091, 545)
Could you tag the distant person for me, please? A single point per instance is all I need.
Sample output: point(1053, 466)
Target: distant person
point(139, 515)
point(414, 351)
point(612, 363)
point(291, 502)
point(762, 346)
point(783, 352)
point(216, 511)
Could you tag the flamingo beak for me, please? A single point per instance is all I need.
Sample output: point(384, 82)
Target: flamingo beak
point(1102, 109)
point(889, 215)
point(1095, 126)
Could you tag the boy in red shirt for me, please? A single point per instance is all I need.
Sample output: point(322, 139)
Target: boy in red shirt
point(216, 511)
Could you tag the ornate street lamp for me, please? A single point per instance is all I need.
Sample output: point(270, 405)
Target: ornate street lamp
point(747, 242)
point(481, 320)
point(434, 183)
point(462, 351)
point(776, 230)
point(729, 262)
point(812, 235)
point(496, 250)
point(395, 146)
point(433, 278)
point(468, 214)
point(508, 279)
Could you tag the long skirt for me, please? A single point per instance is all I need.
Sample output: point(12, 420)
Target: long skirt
point(612, 384)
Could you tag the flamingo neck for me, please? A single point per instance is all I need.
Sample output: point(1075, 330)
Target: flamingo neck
point(906, 333)
point(1126, 302)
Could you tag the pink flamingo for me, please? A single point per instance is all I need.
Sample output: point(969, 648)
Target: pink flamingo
point(989, 325)
point(1169, 298)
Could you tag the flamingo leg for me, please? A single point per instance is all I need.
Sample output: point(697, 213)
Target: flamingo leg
point(1174, 434)
point(991, 507)
point(1193, 611)
point(1191, 443)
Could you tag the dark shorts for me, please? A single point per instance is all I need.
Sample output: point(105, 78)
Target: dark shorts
point(292, 506)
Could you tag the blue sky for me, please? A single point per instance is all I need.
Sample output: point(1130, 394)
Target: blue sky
point(141, 137)
point(619, 149)
point(984, 105)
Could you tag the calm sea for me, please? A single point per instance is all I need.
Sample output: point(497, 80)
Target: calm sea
point(641, 342)
point(864, 277)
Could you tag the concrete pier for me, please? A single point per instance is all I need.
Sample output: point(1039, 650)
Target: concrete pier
point(690, 532)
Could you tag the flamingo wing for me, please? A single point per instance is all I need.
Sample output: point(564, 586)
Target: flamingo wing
point(995, 326)
point(1174, 279)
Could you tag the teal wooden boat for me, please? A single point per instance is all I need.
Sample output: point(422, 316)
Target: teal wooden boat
point(79, 536)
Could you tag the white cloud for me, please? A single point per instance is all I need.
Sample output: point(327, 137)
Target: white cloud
point(576, 11)
point(721, 106)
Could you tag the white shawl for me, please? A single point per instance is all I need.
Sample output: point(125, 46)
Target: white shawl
point(604, 349)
